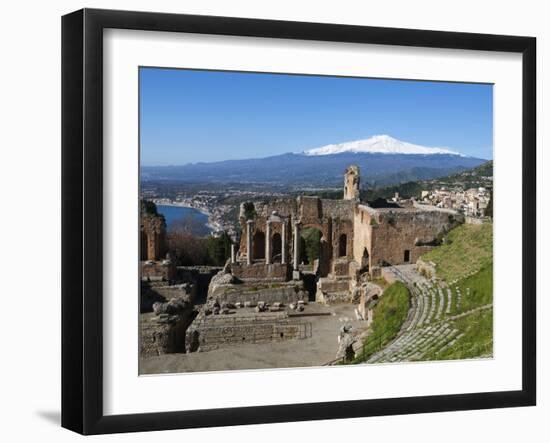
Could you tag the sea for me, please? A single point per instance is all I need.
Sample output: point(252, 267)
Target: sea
point(192, 218)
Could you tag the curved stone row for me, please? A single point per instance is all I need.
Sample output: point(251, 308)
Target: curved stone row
point(428, 329)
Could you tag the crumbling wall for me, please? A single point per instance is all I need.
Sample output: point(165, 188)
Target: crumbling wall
point(364, 219)
point(261, 271)
point(403, 230)
point(342, 232)
point(338, 209)
point(331, 291)
point(332, 218)
point(163, 330)
point(157, 270)
point(153, 236)
point(225, 288)
point(153, 292)
point(388, 233)
point(164, 334)
point(214, 332)
point(351, 183)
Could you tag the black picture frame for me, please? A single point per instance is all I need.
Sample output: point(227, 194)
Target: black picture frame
point(82, 190)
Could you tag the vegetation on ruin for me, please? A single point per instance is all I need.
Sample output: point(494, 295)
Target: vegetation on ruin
point(249, 210)
point(477, 289)
point(389, 315)
point(476, 341)
point(467, 249)
point(218, 248)
point(465, 262)
point(147, 207)
point(311, 242)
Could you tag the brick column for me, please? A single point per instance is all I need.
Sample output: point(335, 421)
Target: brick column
point(249, 242)
point(268, 242)
point(283, 242)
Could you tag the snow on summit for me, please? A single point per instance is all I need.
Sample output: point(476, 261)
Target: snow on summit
point(380, 144)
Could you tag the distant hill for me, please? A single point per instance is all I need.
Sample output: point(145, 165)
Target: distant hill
point(382, 163)
point(479, 176)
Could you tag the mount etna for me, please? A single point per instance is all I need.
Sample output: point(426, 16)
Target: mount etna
point(383, 160)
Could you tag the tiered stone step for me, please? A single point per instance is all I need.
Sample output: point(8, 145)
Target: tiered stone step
point(417, 344)
point(428, 329)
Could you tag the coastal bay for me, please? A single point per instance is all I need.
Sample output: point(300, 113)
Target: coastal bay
point(176, 215)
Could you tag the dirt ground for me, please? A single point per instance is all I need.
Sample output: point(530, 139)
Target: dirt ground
point(315, 351)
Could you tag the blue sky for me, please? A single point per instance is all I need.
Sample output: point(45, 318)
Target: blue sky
point(190, 116)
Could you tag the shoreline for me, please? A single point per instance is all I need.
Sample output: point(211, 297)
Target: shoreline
point(205, 212)
point(183, 205)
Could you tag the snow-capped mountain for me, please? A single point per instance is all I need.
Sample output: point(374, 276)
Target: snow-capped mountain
point(382, 159)
point(379, 144)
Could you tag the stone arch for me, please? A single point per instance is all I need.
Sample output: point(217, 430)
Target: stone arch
point(277, 246)
point(258, 245)
point(365, 258)
point(343, 245)
point(310, 244)
point(324, 247)
point(316, 224)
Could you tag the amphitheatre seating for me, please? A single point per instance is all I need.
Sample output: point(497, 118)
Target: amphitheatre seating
point(428, 329)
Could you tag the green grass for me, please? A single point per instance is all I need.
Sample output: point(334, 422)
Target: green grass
point(468, 249)
point(467, 260)
point(477, 340)
point(481, 289)
point(389, 315)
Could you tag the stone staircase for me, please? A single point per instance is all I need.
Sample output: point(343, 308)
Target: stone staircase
point(428, 329)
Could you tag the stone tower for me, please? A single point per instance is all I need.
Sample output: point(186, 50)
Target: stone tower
point(153, 232)
point(351, 183)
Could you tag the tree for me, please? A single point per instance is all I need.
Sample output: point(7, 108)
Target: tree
point(310, 247)
point(249, 210)
point(148, 207)
point(219, 249)
point(185, 247)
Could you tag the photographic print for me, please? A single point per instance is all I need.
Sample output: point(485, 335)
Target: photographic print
point(292, 220)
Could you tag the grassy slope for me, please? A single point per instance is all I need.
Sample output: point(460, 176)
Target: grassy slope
point(480, 285)
point(467, 262)
point(389, 314)
point(477, 339)
point(470, 248)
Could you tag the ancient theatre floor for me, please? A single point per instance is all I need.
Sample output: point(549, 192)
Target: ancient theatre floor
point(315, 351)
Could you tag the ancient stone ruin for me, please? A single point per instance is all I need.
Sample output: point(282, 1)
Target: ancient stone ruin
point(354, 238)
point(154, 264)
point(260, 294)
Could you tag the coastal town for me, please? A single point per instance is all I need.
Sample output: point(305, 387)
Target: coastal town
point(471, 202)
point(219, 205)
